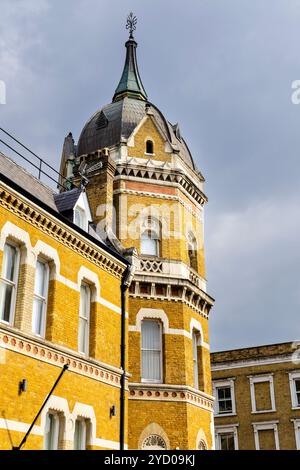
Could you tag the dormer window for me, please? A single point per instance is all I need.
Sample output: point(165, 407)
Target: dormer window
point(80, 218)
point(149, 147)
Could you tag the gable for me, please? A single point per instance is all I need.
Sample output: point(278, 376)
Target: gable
point(148, 130)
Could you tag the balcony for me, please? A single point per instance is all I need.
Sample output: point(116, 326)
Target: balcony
point(171, 269)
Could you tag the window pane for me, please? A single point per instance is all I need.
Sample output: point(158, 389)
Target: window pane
point(80, 218)
point(82, 338)
point(40, 279)
point(84, 301)
point(51, 432)
point(149, 247)
point(227, 441)
point(80, 435)
point(9, 262)
point(37, 316)
point(151, 365)
point(151, 333)
point(6, 292)
point(151, 350)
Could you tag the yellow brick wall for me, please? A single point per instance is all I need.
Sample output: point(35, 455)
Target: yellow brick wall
point(177, 349)
point(149, 131)
point(62, 332)
point(40, 377)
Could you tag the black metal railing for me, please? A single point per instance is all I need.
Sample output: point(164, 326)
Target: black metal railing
point(40, 163)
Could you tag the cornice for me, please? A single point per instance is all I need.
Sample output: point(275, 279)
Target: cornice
point(190, 295)
point(143, 172)
point(45, 351)
point(171, 393)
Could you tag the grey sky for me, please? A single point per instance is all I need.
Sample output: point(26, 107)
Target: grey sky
point(223, 69)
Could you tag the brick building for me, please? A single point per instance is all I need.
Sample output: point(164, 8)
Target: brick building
point(257, 397)
point(128, 213)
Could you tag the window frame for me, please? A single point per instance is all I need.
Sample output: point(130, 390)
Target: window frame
point(192, 247)
point(87, 319)
point(57, 426)
point(83, 214)
point(44, 298)
point(155, 240)
point(266, 426)
point(293, 376)
point(260, 379)
point(226, 383)
point(226, 429)
point(161, 379)
point(81, 421)
point(146, 149)
point(296, 423)
point(13, 283)
point(196, 338)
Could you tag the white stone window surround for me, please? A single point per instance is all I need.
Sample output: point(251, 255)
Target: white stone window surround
point(229, 382)
point(296, 423)
point(162, 316)
point(14, 282)
point(295, 375)
point(226, 429)
point(265, 426)
point(253, 379)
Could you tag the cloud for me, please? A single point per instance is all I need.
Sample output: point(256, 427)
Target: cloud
point(254, 260)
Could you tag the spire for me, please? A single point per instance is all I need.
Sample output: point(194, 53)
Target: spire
point(130, 83)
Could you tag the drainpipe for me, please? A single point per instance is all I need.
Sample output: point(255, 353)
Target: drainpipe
point(126, 281)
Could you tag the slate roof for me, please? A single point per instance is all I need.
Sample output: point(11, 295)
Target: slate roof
point(27, 181)
point(66, 201)
point(122, 118)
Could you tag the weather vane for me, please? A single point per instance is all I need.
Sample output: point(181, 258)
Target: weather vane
point(131, 23)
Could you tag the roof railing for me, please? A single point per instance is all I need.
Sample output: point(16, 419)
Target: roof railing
point(38, 165)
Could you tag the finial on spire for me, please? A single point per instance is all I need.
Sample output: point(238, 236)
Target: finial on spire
point(131, 24)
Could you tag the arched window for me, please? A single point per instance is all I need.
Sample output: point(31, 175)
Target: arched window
point(154, 442)
point(149, 147)
point(40, 298)
point(202, 445)
point(53, 431)
point(80, 434)
point(8, 282)
point(151, 351)
point(196, 340)
point(192, 251)
point(150, 237)
point(84, 319)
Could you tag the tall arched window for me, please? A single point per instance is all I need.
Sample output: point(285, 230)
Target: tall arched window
point(8, 282)
point(84, 319)
point(196, 340)
point(192, 251)
point(150, 237)
point(149, 147)
point(151, 342)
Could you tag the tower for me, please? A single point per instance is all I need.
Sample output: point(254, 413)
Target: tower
point(146, 193)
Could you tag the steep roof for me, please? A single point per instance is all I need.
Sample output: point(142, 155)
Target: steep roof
point(116, 121)
point(27, 181)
